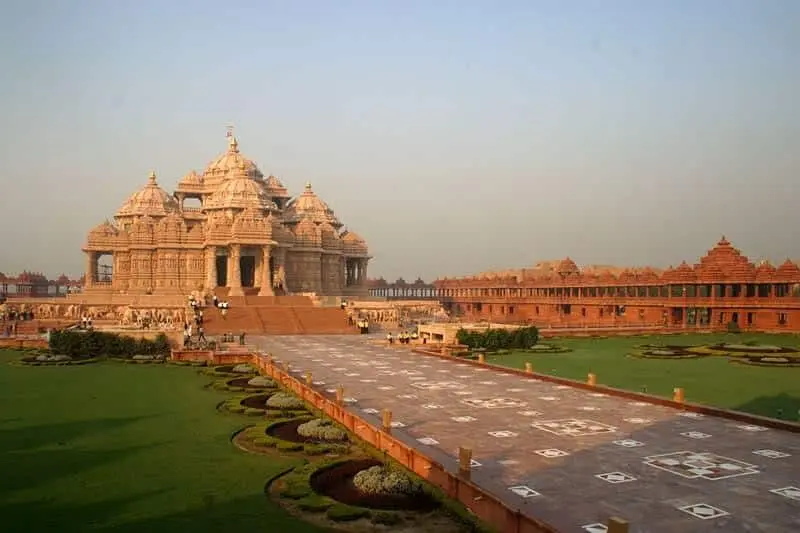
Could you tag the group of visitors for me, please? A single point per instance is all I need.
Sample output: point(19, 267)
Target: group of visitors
point(197, 310)
point(403, 337)
point(86, 322)
point(222, 306)
point(363, 326)
point(14, 314)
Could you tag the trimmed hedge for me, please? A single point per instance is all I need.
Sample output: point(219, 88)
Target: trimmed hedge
point(499, 339)
point(89, 344)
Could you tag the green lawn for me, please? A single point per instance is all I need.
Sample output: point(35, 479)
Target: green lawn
point(708, 380)
point(126, 448)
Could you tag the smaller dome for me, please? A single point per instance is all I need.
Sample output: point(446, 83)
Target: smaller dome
point(567, 266)
point(192, 179)
point(353, 243)
point(240, 191)
point(152, 201)
point(309, 205)
point(307, 234)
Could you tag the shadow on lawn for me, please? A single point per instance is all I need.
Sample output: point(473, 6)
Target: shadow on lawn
point(781, 406)
point(35, 455)
point(252, 513)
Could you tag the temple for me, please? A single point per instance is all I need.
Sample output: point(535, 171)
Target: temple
point(723, 290)
point(244, 233)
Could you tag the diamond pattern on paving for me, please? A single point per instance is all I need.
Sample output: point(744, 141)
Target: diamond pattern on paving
point(705, 465)
point(428, 441)
point(597, 527)
point(573, 427)
point(615, 477)
point(703, 511)
point(503, 434)
point(772, 454)
point(793, 493)
point(551, 453)
point(695, 435)
point(628, 443)
point(494, 403)
point(523, 491)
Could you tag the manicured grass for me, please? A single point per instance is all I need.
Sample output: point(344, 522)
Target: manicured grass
point(773, 392)
point(126, 448)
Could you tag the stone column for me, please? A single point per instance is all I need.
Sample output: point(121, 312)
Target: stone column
point(266, 279)
point(91, 267)
point(234, 271)
point(211, 268)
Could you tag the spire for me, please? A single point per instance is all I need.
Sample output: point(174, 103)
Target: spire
point(233, 144)
point(151, 178)
point(308, 186)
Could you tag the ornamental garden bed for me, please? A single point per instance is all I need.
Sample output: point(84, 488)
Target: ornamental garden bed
point(283, 436)
point(270, 404)
point(224, 371)
point(245, 384)
point(48, 359)
point(757, 354)
point(318, 492)
point(380, 488)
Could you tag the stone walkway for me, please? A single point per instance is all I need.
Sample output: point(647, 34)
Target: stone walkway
point(566, 456)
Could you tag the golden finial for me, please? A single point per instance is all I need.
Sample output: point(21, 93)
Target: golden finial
point(233, 144)
point(151, 178)
point(308, 185)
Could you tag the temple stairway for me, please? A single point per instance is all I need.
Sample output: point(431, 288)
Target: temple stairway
point(274, 315)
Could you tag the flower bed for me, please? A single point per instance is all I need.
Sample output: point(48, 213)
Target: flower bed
point(256, 405)
point(548, 348)
point(231, 370)
point(656, 351)
point(377, 489)
point(37, 358)
point(282, 435)
point(768, 360)
point(245, 384)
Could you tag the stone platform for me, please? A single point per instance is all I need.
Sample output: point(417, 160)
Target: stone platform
point(566, 456)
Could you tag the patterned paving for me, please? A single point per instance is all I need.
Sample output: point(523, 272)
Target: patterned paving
point(570, 457)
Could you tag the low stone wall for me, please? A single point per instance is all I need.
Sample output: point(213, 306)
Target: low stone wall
point(19, 343)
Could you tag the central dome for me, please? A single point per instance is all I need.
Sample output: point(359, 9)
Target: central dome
point(152, 200)
point(232, 160)
point(240, 191)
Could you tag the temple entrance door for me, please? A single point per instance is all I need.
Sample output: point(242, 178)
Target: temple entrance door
point(222, 270)
point(247, 266)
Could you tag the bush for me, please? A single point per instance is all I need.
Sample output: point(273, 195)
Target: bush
point(498, 339)
point(88, 344)
point(321, 429)
point(296, 491)
point(317, 449)
point(266, 442)
point(289, 446)
point(345, 513)
point(314, 504)
point(283, 400)
point(382, 480)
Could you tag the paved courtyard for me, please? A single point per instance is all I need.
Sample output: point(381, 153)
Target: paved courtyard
point(566, 456)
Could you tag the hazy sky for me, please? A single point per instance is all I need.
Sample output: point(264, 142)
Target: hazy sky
point(455, 136)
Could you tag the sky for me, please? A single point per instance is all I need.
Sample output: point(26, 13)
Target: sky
point(454, 136)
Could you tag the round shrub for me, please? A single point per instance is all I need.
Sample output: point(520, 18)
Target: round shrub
point(381, 480)
point(321, 429)
point(260, 381)
point(243, 369)
point(283, 400)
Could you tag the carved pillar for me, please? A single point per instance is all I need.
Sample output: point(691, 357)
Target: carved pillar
point(91, 267)
point(211, 268)
point(362, 271)
point(266, 279)
point(235, 271)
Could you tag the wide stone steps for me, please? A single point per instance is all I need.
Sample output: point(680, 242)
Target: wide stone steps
point(278, 320)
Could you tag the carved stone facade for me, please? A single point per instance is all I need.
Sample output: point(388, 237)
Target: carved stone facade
point(723, 288)
point(245, 233)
